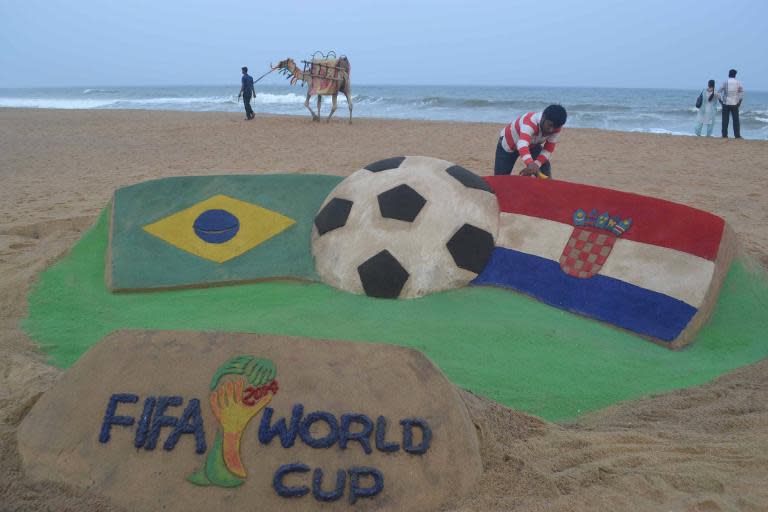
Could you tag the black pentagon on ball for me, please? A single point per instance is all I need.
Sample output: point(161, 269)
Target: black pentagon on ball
point(401, 203)
point(382, 276)
point(333, 215)
point(471, 248)
point(385, 165)
point(468, 178)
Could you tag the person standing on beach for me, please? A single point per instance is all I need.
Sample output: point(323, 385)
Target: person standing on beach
point(532, 137)
point(708, 109)
point(246, 91)
point(731, 95)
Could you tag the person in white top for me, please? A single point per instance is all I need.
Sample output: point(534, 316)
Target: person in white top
point(708, 109)
point(731, 95)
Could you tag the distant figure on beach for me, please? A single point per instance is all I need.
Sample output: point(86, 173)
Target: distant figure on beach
point(707, 110)
point(533, 137)
point(246, 91)
point(731, 95)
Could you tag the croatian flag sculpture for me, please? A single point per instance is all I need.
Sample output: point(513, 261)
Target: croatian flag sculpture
point(647, 265)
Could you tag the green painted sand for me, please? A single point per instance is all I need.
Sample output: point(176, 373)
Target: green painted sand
point(504, 346)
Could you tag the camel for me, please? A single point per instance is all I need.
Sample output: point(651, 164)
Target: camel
point(324, 78)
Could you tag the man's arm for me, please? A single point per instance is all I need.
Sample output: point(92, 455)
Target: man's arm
point(547, 150)
point(740, 92)
point(531, 165)
point(523, 146)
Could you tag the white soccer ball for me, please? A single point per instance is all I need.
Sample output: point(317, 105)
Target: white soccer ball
point(405, 227)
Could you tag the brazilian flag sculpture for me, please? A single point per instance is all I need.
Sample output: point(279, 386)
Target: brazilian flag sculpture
point(206, 230)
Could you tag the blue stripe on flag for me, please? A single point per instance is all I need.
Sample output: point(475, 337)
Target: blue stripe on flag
point(604, 298)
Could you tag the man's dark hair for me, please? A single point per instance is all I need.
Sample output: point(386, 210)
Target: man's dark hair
point(245, 69)
point(556, 114)
point(732, 73)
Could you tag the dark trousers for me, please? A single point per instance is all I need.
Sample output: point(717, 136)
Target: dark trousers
point(733, 110)
point(506, 161)
point(248, 110)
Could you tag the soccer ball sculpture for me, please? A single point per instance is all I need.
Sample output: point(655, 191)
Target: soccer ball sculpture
point(405, 227)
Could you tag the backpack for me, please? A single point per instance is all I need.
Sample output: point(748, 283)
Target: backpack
point(700, 99)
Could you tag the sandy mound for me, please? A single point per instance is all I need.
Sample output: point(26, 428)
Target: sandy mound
point(149, 419)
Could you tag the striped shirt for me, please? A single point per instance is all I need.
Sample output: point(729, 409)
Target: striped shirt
point(525, 132)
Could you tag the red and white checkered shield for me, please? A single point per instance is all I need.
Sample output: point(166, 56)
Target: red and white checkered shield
point(586, 251)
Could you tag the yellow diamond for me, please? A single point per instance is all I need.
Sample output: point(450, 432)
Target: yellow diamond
point(256, 225)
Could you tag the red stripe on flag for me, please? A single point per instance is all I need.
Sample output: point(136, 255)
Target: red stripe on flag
point(654, 221)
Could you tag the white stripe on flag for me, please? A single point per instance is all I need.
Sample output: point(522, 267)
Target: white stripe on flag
point(677, 274)
point(533, 235)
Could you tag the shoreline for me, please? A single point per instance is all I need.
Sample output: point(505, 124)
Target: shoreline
point(337, 118)
point(342, 112)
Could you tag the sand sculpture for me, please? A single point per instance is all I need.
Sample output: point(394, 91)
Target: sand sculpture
point(405, 227)
point(207, 421)
point(643, 264)
point(205, 230)
point(289, 423)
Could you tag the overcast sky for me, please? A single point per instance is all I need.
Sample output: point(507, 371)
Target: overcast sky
point(649, 43)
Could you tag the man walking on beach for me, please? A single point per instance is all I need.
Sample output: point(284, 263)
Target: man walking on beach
point(533, 137)
point(731, 94)
point(246, 91)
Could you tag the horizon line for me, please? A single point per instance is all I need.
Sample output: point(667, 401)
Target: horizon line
point(364, 84)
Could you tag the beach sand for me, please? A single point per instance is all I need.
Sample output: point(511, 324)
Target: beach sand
point(701, 449)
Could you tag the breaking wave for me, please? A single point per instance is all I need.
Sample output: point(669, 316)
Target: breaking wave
point(100, 91)
point(641, 110)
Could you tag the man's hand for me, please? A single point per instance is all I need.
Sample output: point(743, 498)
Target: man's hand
point(530, 170)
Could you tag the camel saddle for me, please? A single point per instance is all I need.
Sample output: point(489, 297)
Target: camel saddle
point(327, 75)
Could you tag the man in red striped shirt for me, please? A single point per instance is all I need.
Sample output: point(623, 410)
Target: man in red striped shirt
point(532, 137)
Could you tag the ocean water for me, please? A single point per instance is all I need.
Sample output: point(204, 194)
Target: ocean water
point(670, 111)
